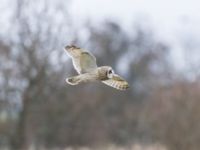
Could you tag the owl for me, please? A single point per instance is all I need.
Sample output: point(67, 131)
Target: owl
point(85, 64)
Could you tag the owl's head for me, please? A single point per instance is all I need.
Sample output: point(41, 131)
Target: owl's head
point(105, 72)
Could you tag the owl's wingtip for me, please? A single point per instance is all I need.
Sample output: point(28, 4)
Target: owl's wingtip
point(67, 47)
point(70, 81)
point(70, 46)
point(124, 87)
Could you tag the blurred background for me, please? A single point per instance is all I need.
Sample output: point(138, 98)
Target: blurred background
point(153, 44)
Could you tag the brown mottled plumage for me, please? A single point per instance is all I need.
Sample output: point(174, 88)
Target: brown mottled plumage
point(85, 64)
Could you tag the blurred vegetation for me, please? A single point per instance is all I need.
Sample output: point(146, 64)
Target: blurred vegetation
point(37, 107)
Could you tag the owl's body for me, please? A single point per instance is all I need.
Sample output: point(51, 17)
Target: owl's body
point(85, 64)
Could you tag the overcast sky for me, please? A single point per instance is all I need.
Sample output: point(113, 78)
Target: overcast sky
point(170, 19)
point(166, 11)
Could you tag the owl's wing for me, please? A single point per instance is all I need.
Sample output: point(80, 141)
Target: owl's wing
point(83, 61)
point(87, 62)
point(117, 82)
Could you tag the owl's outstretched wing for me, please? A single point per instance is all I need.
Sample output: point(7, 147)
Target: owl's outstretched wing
point(117, 82)
point(87, 62)
point(83, 61)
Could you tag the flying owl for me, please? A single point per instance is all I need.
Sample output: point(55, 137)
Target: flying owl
point(85, 64)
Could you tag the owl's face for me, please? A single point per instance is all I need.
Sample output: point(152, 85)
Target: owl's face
point(109, 72)
point(105, 72)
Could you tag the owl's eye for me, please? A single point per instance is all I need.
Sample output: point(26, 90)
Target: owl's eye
point(110, 72)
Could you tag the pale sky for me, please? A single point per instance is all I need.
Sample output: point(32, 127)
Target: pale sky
point(173, 21)
point(170, 19)
point(165, 10)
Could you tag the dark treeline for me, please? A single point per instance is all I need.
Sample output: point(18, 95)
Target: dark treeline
point(38, 108)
